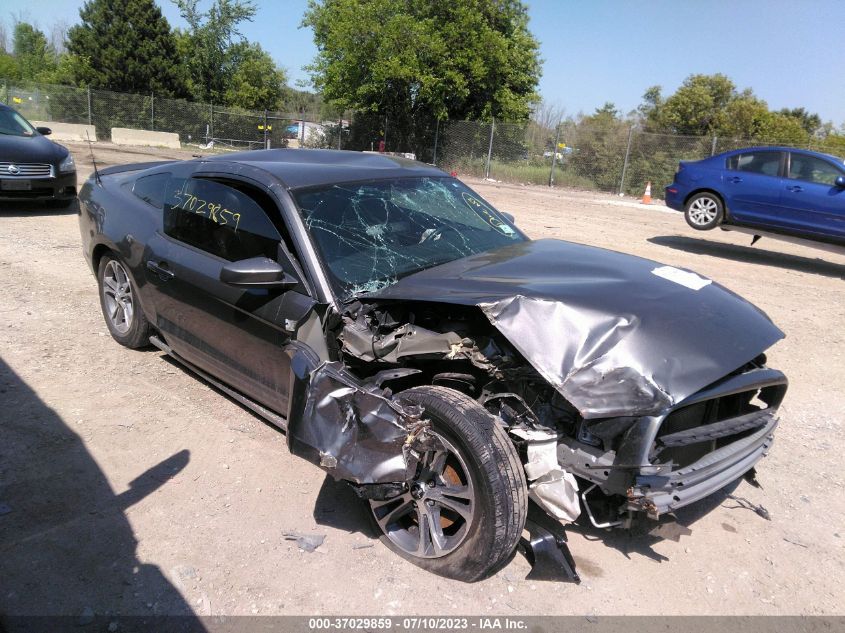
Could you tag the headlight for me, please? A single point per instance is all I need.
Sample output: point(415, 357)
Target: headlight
point(67, 164)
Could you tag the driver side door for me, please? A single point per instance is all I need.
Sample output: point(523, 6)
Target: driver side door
point(236, 334)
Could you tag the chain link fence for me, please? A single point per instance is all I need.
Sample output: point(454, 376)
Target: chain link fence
point(195, 123)
point(610, 155)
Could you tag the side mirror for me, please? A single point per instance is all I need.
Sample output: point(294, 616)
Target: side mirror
point(44, 131)
point(257, 272)
point(840, 182)
point(509, 217)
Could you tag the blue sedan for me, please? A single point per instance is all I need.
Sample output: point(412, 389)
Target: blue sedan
point(777, 191)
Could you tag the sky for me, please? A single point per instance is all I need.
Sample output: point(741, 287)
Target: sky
point(790, 52)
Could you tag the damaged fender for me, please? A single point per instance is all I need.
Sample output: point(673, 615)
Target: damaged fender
point(353, 431)
point(616, 335)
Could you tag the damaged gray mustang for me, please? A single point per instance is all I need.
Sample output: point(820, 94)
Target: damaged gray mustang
point(468, 382)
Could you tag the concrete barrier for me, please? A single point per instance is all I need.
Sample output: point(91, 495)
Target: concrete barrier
point(68, 131)
point(127, 136)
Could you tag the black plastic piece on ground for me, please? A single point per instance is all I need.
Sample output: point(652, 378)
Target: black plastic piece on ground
point(547, 549)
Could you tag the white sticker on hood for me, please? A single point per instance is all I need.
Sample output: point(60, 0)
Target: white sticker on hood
point(682, 277)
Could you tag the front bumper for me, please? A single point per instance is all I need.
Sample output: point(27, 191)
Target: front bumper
point(642, 475)
point(61, 187)
point(658, 494)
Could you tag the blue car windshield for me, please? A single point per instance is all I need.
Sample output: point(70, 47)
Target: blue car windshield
point(371, 234)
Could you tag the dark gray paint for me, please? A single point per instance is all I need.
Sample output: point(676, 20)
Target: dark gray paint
point(611, 336)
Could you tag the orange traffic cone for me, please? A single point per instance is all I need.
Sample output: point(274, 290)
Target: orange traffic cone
point(647, 194)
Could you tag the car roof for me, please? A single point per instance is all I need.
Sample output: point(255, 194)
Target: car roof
point(780, 148)
point(299, 168)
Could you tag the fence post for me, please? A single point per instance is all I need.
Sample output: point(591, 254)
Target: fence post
point(6, 92)
point(339, 130)
point(436, 133)
point(89, 106)
point(152, 111)
point(489, 149)
point(554, 155)
point(713, 147)
point(266, 134)
point(625, 164)
point(210, 121)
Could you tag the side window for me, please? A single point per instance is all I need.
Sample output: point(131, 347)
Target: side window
point(151, 189)
point(218, 219)
point(812, 169)
point(765, 163)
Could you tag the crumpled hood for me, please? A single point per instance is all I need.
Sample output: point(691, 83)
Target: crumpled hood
point(606, 331)
point(30, 149)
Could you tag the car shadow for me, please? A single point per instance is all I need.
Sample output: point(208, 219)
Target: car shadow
point(338, 506)
point(26, 209)
point(641, 539)
point(67, 549)
point(750, 255)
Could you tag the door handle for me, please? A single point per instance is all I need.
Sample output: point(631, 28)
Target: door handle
point(735, 179)
point(795, 188)
point(162, 270)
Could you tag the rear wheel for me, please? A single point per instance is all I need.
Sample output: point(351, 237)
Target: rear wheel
point(119, 303)
point(465, 509)
point(704, 211)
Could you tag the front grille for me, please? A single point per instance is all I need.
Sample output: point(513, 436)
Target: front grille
point(690, 433)
point(25, 170)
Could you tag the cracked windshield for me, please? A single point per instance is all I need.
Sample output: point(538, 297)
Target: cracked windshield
point(370, 234)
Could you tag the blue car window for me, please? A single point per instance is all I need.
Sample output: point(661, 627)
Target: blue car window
point(812, 169)
point(766, 163)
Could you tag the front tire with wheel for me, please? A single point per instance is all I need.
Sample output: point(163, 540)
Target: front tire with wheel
point(119, 303)
point(465, 510)
point(704, 211)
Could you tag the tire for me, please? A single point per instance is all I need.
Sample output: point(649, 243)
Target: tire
point(704, 211)
point(481, 475)
point(119, 303)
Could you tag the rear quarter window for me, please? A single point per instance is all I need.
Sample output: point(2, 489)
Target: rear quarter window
point(151, 189)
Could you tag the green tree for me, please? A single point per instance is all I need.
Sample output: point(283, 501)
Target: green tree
point(209, 47)
point(811, 122)
point(474, 59)
point(125, 46)
point(33, 55)
point(710, 105)
point(255, 82)
point(600, 141)
point(697, 108)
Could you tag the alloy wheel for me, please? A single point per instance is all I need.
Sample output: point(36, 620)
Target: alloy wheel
point(433, 517)
point(703, 211)
point(117, 297)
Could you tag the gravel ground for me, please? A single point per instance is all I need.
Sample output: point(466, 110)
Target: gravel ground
point(128, 486)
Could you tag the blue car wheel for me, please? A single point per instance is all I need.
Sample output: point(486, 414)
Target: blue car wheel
point(704, 211)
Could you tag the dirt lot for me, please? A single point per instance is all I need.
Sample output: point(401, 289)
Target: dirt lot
point(129, 486)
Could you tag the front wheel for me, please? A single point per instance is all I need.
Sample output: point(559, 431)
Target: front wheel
point(704, 211)
point(464, 511)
